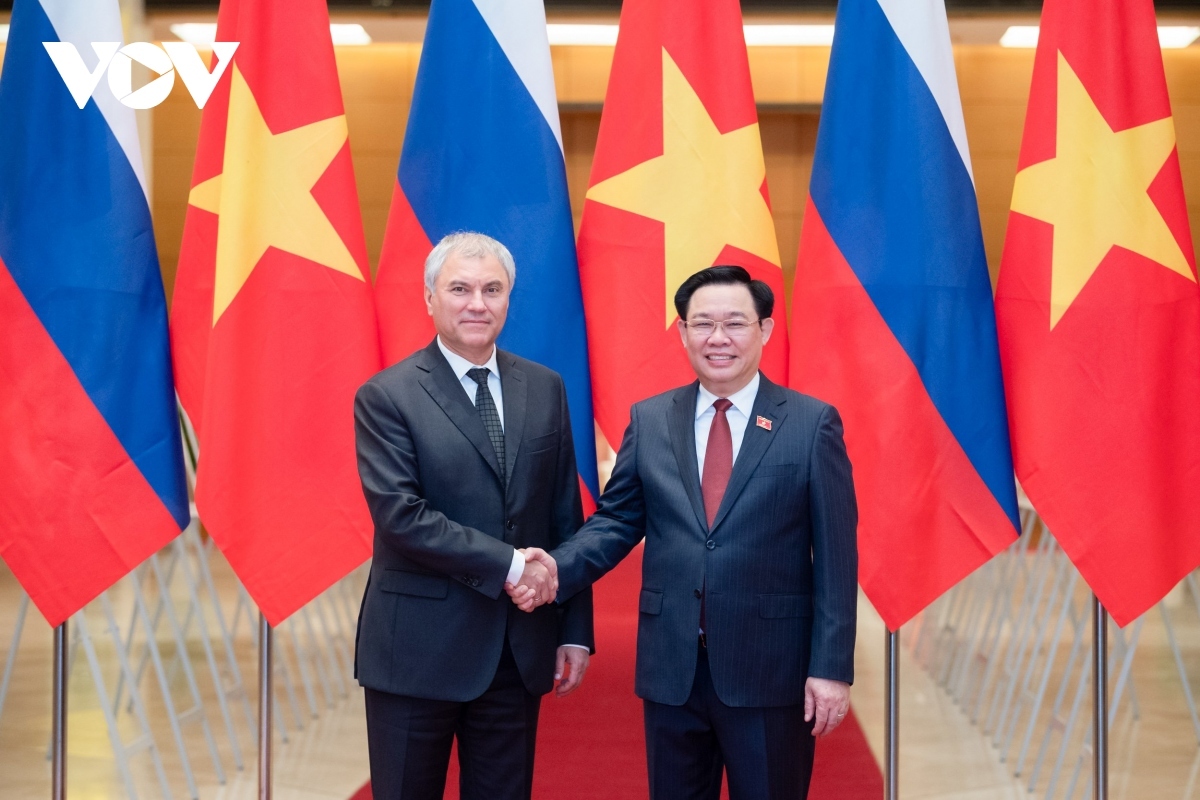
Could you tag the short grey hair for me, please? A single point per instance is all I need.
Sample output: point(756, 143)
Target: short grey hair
point(467, 244)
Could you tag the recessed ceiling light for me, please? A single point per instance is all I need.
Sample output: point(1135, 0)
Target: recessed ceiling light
point(200, 34)
point(1170, 37)
point(3, 33)
point(203, 34)
point(582, 34)
point(788, 35)
point(349, 34)
point(756, 35)
point(1173, 37)
point(1020, 36)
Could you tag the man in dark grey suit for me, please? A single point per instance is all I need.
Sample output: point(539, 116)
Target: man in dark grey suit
point(466, 458)
point(743, 493)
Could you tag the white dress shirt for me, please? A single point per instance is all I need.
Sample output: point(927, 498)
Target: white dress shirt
point(738, 415)
point(461, 366)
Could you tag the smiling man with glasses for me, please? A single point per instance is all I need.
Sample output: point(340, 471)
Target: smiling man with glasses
point(742, 492)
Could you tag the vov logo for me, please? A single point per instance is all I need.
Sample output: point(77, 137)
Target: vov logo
point(118, 61)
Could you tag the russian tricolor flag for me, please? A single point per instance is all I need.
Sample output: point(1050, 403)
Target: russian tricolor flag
point(91, 470)
point(892, 312)
point(483, 152)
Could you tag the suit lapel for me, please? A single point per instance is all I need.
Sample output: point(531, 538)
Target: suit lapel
point(771, 404)
point(515, 390)
point(682, 424)
point(448, 393)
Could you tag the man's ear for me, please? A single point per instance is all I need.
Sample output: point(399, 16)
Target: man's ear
point(683, 334)
point(768, 325)
point(428, 301)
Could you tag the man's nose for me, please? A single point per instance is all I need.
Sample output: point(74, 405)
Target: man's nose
point(476, 302)
point(719, 337)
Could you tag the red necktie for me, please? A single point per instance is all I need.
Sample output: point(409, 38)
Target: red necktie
point(718, 464)
point(718, 461)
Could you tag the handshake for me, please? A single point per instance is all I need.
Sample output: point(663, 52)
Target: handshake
point(539, 581)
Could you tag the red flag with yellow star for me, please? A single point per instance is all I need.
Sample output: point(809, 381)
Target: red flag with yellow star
point(1099, 311)
point(678, 184)
point(272, 322)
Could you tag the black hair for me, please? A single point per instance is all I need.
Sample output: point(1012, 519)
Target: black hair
point(760, 292)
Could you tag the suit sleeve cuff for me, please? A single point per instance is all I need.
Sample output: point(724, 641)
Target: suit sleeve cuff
point(517, 569)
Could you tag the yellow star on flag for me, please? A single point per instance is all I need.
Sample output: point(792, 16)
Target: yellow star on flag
point(704, 188)
point(1094, 192)
point(263, 195)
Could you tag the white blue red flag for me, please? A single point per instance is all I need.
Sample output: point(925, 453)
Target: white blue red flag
point(892, 312)
point(483, 152)
point(91, 471)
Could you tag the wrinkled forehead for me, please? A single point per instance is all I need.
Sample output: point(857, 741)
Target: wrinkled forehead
point(472, 271)
point(722, 301)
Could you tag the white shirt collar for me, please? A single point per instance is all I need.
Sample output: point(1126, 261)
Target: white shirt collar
point(742, 399)
point(460, 365)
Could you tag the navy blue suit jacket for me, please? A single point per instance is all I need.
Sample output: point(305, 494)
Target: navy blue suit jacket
point(779, 564)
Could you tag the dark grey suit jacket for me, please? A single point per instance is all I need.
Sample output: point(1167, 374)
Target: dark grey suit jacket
point(779, 564)
point(435, 613)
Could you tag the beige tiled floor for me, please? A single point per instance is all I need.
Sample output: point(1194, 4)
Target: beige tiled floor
point(943, 755)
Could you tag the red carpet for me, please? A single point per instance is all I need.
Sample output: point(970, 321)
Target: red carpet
point(591, 745)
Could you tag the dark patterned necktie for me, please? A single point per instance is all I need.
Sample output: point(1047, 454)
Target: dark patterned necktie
point(486, 407)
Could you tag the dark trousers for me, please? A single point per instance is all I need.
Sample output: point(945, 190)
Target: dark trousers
point(767, 752)
point(409, 741)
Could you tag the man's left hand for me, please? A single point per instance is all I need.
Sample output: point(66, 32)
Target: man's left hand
point(827, 702)
point(569, 667)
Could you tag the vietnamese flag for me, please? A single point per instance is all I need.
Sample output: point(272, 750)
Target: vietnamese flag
point(272, 324)
point(1098, 308)
point(678, 184)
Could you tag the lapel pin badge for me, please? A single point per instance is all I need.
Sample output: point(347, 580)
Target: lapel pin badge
point(763, 423)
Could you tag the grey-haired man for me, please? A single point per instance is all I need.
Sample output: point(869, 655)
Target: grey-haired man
point(466, 458)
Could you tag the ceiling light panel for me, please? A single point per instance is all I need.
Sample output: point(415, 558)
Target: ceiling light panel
point(203, 34)
point(1170, 37)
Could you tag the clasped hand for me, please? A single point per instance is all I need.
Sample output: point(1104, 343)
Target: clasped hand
point(539, 581)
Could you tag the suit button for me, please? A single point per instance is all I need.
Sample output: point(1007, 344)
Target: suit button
point(710, 544)
point(698, 594)
point(510, 525)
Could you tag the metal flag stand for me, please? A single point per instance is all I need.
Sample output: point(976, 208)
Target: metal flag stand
point(11, 658)
point(59, 757)
point(1099, 700)
point(265, 696)
point(891, 722)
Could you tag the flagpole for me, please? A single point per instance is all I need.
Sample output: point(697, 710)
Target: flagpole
point(59, 723)
point(265, 695)
point(891, 718)
point(1099, 700)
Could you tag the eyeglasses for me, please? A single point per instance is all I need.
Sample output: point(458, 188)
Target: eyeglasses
point(733, 328)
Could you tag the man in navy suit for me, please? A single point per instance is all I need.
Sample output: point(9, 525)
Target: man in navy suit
point(466, 458)
point(743, 493)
